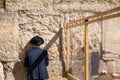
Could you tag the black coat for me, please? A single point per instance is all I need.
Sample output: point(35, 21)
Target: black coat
point(40, 71)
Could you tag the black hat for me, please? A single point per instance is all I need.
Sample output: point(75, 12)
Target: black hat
point(37, 41)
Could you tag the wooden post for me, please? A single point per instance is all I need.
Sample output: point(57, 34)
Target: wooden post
point(86, 57)
point(67, 51)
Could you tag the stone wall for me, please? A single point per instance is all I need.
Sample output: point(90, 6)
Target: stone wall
point(20, 20)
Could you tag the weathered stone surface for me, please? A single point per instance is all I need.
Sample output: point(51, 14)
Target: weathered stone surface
point(60, 6)
point(1, 3)
point(109, 57)
point(1, 72)
point(117, 65)
point(46, 18)
point(103, 66)
point(14, 5)
point(77, 71)
point(32, 5)
point(55, 69)
point(8, 71)
point(14, 71)
point(8, 37)
point(111, 35)
point(69, 6)
point(46, 26)
point(44, 6)
point(57, 1)
point(111, 66)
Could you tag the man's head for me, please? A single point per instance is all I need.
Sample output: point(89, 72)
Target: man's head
point(37, 41)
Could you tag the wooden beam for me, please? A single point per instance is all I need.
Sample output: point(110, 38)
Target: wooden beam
point(96, 15)
point(86, 57)
point(94, 20)
point(67, 51)
point(105, 18)
point(71, 77)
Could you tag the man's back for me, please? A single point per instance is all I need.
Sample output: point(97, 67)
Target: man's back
point(40, 71)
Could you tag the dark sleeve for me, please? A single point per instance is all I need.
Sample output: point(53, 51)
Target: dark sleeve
point(26, 61)
point(47, 60)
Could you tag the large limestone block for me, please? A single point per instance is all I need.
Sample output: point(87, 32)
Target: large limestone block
point(68, 6)
point(8, 37)
point(111, 35)
point(35, 5)
point(45, 6)
point(1, 72)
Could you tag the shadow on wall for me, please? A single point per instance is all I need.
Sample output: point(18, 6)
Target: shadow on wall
point(20, 72)
point(94, 63)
